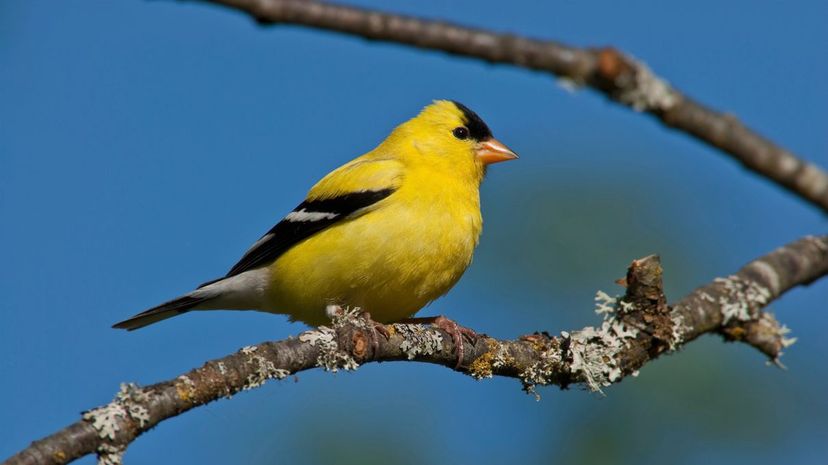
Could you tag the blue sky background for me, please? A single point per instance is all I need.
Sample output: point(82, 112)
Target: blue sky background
point(145, 145)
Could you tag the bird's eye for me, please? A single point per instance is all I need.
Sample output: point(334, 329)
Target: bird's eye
point(461, 133)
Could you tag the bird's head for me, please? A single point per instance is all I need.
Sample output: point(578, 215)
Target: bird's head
point(447, 133)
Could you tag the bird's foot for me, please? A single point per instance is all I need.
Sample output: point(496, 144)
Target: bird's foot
point(453, 328)
point(334, 310)
point(377, 328)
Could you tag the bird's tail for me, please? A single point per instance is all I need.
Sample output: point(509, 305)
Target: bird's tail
point(244, 291)
point(166, 310)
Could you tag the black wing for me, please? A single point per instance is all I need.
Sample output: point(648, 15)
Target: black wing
point(310, 217)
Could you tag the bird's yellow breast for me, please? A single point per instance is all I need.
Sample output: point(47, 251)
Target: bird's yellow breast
point(391, 261)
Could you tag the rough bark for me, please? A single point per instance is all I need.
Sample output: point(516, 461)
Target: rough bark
point(636, 329)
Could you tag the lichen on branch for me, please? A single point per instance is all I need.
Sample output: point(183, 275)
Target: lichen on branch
point(635, 329)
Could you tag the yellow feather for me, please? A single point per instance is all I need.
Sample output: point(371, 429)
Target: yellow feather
point(390, 258)
point(410, 248)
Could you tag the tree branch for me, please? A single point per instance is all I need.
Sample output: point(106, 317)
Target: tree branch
point(636, 328)
point(615, 74)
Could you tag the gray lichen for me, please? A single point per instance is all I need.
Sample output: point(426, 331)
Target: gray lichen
point(134, 398)
point(247, 350)
point(497, 357)
point(742, 298)
point(185, 388)
point(677, 335)
point(779, 332)
point(595, 350)
point(110, 455)
point(568, 84)
point(264, 369)
point(541, 372)
point(418, 340)
point(741, 306)
point(106, 419)
point(128, 404)
point(604, 304)
point(331, 358)
point(786, 341)
point(643, 90)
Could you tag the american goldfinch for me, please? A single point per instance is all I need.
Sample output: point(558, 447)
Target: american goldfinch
point(388, 232)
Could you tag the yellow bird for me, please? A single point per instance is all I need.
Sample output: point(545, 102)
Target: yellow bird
point(388, 232)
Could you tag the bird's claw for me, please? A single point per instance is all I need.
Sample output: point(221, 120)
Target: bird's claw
point(453, 328)
point(457, 332)
point(376, 329)
point(334, 310)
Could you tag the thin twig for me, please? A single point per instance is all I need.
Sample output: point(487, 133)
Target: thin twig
point(636, 329)
point(615, 74)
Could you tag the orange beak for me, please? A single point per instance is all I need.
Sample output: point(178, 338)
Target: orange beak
point(493, 151)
